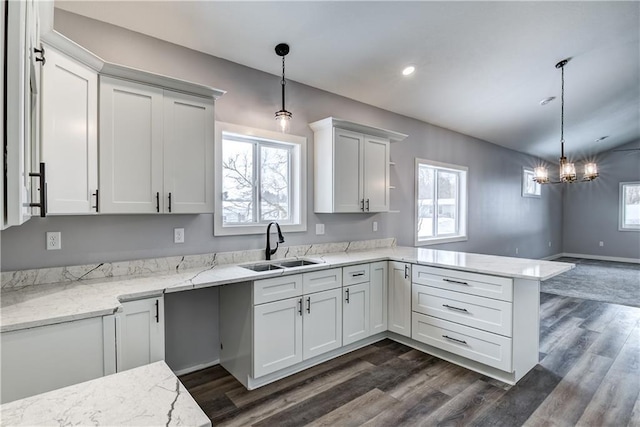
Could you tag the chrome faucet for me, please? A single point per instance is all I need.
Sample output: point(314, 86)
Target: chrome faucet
point(269, 251)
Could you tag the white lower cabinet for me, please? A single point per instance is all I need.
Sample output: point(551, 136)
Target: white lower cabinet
point(399, 307)
point(321, 323)
point(140, 333)
point(378, 292)
point(45, 358)
point(356, 311)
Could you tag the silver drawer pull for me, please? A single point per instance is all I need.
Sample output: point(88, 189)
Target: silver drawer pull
point(357, 274)
point(453, 339)
point(455, 308)
point(455, 281)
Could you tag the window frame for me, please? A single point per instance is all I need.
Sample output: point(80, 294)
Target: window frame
point(462, 206)
point(529, 173)
point(621, 216)
point(297, 178)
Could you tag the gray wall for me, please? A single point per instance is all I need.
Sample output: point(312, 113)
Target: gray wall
point(500, 219)
point(591, 210)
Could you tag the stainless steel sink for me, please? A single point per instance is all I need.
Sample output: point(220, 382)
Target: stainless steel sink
point(297, 263)
point(262, 267)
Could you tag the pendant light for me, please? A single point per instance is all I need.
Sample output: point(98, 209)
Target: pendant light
point(283, 116)
point(567, 169)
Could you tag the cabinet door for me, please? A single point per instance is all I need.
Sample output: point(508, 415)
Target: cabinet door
point(140, 333)
point(188, 153)
point(130, 147)
point(355, 309)
point(69, 134)
point(376, 174)
point(378, 289)
point(45, 358)
point(348, 161)
point(277, 336)
point(322, 323)
point(399, 308)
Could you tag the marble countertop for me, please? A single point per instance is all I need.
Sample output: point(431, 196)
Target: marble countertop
point(112, 400)
point(41, 305)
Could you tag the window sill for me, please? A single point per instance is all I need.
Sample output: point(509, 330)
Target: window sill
point(440, 240)
point(242, 230)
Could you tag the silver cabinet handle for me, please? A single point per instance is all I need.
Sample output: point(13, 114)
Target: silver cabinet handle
point(347, 299)
point(455, 308)
point(406, 271)
point(300, 306)
point(453, 339)
point(455, 281)
point(309, 305)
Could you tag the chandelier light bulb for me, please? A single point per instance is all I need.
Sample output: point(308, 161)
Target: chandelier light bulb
point(567, 171)
point(540, 175)
point(284, 121)
point(590, 171)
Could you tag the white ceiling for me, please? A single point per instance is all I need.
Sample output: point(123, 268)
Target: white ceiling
point(482, 67)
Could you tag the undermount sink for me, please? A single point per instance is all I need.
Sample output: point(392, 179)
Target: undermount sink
point(280, 264)
point(262, 267)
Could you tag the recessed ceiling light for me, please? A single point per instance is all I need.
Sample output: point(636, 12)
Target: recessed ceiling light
point(547, 100)
point(408, 70)
point(602, 138)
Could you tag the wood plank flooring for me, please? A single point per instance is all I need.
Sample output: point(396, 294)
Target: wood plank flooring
point(588, 375)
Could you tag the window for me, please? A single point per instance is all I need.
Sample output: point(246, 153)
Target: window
point(260, 177)
point(629, 206)
point(530, 188)
point(441, 203)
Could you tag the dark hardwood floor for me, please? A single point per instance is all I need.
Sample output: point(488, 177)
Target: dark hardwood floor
point(588, 375)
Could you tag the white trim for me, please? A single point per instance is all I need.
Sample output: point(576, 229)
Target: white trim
point(552, 257)
point(598, 257)
point(538, 187)
point(299, 181)
point(463, 211)
point(621, 226)
point(196, 367)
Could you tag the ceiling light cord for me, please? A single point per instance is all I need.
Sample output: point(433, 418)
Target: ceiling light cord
point(283, 82)
point(561, 116)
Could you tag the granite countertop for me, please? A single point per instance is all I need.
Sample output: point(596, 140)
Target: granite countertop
point(112, 400)
point(41, 305)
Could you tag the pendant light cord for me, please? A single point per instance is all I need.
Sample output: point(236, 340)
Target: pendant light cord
point(283, 82)
point(561, 115)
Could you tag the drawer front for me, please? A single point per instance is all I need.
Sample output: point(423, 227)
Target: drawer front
point(355, 274)
point(483, 347)
point(321, 280)
point(482, 313)
point(278, 288)
point(470, 283)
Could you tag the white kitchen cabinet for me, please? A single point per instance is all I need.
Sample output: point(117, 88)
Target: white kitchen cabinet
point(355, 309)
point(322, 323)
point(188, 153)
point(399, 307)
point(70, 134)
point(277, 332)
point(156, 149)
point(351, 166)
point(22, 77)
point(131, 127)
point(140, 333)
point(378, 289)
point(45, 358)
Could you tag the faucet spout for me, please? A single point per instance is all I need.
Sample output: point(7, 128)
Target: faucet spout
point(268, 250)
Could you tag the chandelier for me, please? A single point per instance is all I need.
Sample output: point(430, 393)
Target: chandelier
point(283, 116)
point(567, 169)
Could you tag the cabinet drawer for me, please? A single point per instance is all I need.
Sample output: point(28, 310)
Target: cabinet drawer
point(355, 274)
point(461, 281)
point(321, 280)
point(278, 288)
point(482, 313)
point(483, 347)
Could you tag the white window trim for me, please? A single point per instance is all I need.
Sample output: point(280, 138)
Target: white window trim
point(538, 193)
point(463, 212)
point(299, 181)
point(621, 226)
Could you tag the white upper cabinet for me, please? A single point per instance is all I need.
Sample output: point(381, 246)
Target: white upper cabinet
point(188, 153)
point(70, 134)
point(131, 128)
point(351, 166)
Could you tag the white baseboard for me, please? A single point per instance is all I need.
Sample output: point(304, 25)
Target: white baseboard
point(599, 257)
point(196, 367)
point(552, 257)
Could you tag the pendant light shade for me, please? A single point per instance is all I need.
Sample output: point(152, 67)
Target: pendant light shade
point(283, 116)
point(567, 169)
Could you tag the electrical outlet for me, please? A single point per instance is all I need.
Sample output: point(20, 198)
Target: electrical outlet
point(601, 244)
point(319, 229)
point(516, 251)
point(549, 243)
point(54, 240)
point(375, 225)
point(178, 235)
